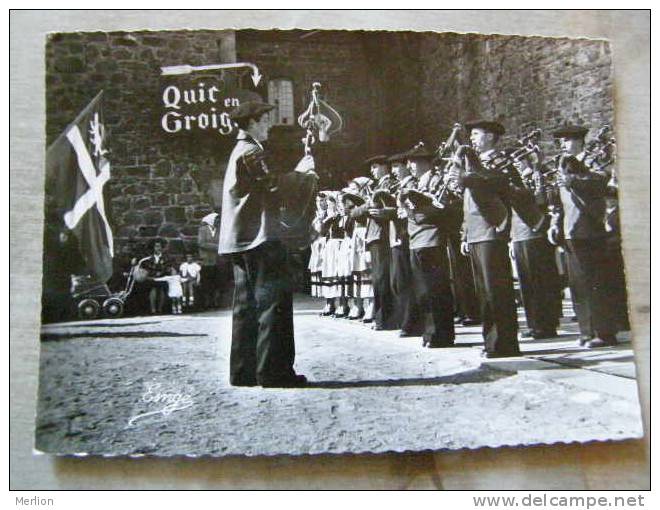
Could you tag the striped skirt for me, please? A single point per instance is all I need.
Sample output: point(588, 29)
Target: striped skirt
point(330, 278)
point(315, 266)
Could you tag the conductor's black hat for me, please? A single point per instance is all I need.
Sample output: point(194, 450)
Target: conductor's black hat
point(571, 132)
point(250, 109)
point(487, 125)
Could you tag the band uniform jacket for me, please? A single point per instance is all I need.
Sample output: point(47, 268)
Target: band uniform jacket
point(582, 201)
point(425, 223)
point(377, 230)
point(528, 206)
point(399, 226)
point(486, 210)
point(250, 209)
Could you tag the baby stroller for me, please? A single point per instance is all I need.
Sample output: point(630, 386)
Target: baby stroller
point(93, 298)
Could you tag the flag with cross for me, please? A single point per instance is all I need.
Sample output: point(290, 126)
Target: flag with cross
point(77, 170)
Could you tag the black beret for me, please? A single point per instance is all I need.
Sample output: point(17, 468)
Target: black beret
point(396, 158)
point(419, 151)
point(250, 109)
point(571, 132)
point(381, 158)
point(487, 125)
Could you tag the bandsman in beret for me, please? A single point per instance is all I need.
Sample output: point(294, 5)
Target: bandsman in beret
point(486, 230)
point(405, 305)
point(426, 226)
point(377, 243)
point(580, 222)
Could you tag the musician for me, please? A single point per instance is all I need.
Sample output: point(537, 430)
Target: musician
point(377, 242)
point(262, 350)
point(534, 256)
point(603, 159)
point(405, 304)
point(427, 232)
point(581, 222)
point(466, 305)
point(486, 229)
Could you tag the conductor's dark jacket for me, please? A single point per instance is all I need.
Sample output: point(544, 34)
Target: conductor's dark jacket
point(250, 210)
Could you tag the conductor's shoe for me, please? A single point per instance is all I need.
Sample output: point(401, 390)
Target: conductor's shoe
point(294, 381)
point(527, 334)
point(238, 381)
point(468, 321)
point(602, 341)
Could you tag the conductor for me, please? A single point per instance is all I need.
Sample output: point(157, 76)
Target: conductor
point(262, 347)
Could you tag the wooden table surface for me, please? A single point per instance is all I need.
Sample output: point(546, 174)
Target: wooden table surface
point(615, 465)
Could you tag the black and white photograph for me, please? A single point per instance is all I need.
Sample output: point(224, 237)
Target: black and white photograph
point(295, 242)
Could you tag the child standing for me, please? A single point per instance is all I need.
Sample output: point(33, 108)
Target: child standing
point(174, 289)
point(192, 272)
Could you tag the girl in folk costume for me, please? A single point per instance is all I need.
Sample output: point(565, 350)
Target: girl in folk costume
point(329, 253)
point(317, 247)
point(353, 249)
point(363, 291)
point(345, 258)
point(333, 229)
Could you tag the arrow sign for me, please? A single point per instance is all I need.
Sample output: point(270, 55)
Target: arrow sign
point(187, 69)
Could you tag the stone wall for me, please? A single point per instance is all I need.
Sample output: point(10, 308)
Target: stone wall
point(524, 82)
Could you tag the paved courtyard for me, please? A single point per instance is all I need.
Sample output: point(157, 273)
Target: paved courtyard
point(159, 386)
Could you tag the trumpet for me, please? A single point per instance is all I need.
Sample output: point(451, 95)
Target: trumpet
point(529, 144)
point(450, 144)
point(602, 146)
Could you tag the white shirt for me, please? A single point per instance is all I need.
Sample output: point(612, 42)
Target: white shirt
point(174, 288)
point(190, 270)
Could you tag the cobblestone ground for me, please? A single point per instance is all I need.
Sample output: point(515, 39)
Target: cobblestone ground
point(159, 385)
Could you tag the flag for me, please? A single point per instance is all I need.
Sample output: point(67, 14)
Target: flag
point(77, 171)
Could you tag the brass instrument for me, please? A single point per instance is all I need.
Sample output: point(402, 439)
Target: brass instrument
point(445, 152)
point(528, 144)
point(602, 146)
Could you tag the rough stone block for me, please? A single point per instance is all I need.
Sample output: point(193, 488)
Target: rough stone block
point(154, 217)
point(141, 203)
point(134, 171)
point(168, 230)
point(187, 199)
point(162, 168)
point(161, 199)
point(175, 214)
point(70, 65)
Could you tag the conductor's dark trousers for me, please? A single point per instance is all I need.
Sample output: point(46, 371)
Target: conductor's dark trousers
point(262, 346)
